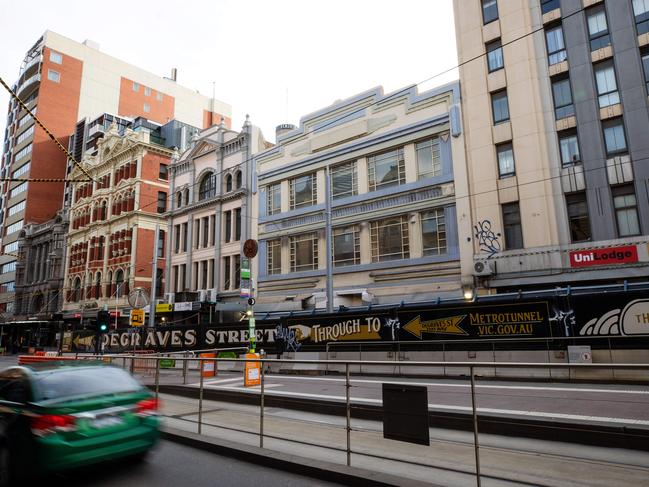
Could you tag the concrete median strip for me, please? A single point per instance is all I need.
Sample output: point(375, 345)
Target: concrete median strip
point(293, 463)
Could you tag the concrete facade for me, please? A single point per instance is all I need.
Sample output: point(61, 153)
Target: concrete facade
point(394, 219)
point(212, 213)
point(572, 146)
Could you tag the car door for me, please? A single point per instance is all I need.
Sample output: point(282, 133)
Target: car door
point(15, 394)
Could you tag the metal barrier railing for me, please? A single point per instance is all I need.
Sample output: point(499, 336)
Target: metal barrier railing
point(471, 366)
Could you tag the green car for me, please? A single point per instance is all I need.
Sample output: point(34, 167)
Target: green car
point(56, 416)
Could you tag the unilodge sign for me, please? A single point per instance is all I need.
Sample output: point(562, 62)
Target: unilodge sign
point(610, 256)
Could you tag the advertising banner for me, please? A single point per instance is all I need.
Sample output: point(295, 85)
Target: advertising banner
point(610, 256)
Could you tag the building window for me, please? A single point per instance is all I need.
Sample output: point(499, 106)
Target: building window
point(239, 179)
point(147, 91)
point(53, 75)
point(555, 44)
point(500, 106)
point(136, 86)
point(158, 96)
point(56, 57)
point(162, 201)
point(237, 224)
point(161, 244)
point(645, 66)
point(304, 252)
point(578, 220)
point(206, 231)
point(18, 189)
point(274, 199)
point(27, 118)
point(228, 183)
point(562, 96)
point(606, 84)
point(146, 108)
point(274, 256)
point(433, 232)
point(641, 12)
point(344, 180)
point(10, 267)
point(386, 169)
point(549, 6)
point(495, 59)
point(21, 170)
point(12, 247)
point(505, 154)
point(429, 159)
point(626, 211)
point(228, 226)
point(569, 146)
point(237, 271)
point(25, 135)
point(489, 11)
point(226, 273)
point(512, 226)
point(598, 28)
point(163, 173)
point(347, 246)
point(16, 208)
point(303, 191)
point(207, 188)
point(614, 136)
point(184, 232)
point(390, 239)
point(23, 152)
point(14, 227)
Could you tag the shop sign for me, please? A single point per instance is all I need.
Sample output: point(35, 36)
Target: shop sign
point(608, 256)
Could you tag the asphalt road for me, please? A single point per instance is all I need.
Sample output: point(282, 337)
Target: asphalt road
point(171, 464)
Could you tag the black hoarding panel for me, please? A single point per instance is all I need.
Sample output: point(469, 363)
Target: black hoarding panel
point(405, 413)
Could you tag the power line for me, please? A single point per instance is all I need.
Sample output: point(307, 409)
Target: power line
point(40, 124)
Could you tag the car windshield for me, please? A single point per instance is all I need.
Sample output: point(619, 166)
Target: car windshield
point(87, 381)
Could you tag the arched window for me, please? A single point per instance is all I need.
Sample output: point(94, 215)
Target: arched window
point(77, 289)
point(228, 183)
point(187, 196)
point(98, 283)
point(179, 199)
point(104, 211)
point(119, 283)
point(207, 187)
point(239, 179)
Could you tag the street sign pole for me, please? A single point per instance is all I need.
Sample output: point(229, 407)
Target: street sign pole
point(250, 248)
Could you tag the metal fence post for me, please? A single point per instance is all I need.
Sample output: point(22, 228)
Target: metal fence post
point(157, 377)
point(493, 354)
point(610, 358)
point(348, 407)
point(261, 410)
point(200, 398)
point(133, 364)
point(185, 368)
point(475, 428)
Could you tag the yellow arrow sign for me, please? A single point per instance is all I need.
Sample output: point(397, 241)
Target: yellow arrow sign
point(447, 325)
point(87, 341)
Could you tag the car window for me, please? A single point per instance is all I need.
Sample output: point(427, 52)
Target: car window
point(62, 383)
point(13, 387)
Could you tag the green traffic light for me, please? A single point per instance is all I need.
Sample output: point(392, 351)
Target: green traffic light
point(103, 327)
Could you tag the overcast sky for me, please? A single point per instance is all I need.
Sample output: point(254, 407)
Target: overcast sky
point(275, 60)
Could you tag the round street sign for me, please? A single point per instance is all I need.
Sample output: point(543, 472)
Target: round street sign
point(250, 248)
point(138, 298)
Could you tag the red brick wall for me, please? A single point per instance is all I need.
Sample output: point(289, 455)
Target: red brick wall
point(213, 118)
point(58, 107)
point(131, 103)
point(148, 192)
point(144, 255)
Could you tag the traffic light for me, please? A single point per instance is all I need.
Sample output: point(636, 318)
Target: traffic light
point(103, 321)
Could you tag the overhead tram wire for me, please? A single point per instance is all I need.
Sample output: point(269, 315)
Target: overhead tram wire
point(49, 134)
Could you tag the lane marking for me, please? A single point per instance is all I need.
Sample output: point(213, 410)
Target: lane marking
point(484, 386)
point(222, 381)
point(448, 407)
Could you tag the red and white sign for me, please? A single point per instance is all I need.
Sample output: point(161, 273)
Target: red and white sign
point(610, 256)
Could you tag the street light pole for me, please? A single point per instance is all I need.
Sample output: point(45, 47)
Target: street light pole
point(330, 277)
point(154, 276)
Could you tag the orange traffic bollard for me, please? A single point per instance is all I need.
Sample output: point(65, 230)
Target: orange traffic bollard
point(252, 372)
point(209, 366)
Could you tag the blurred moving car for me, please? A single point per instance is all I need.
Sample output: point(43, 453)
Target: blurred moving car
point(55, 416)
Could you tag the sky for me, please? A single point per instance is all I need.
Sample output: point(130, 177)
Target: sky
point(274, 60)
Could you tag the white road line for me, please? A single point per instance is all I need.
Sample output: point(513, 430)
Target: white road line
point(222, 381)
point(483, 386)
point(535, 414)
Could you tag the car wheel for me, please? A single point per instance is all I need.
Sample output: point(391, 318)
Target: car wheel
point(137, 458)
point(5, 466)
